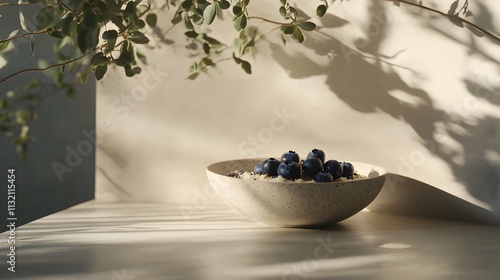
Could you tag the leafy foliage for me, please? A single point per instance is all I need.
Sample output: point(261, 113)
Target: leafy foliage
point(111, 33)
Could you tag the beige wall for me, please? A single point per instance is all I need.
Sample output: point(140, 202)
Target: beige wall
point(388, 85)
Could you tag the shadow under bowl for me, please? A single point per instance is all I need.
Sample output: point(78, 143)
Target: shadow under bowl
point(295, 204)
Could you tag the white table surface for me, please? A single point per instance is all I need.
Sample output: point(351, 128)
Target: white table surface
point(156, 241)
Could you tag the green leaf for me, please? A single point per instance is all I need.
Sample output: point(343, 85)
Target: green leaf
point(57, 34)
point(64, 25)
point(89, 19)
point(22, 21)
point(87, 39)
point(130, 8)
point(283, 2)
point(198, 17)
point(3, 62)
point(151, 20)
point(32, 45)
point(293, 11)
point(45, 18)
point(141, 8)
point(112, 5)
point(283, 11)
point(246, 66)
point(297, 34)
point(240, 23)
point(288, 29)
point(244, 48)
point(187, 4)
point(4, 45)
point(211, 40)
point(321, 10)
point(237, 60)
point(139, 24)
point(101, 8)
point(103, 60)
point(110, 34)
point(224, 4)
point(208, 61)
point(307, 25)
point(209, 14)
point(127, 55)
point(142, 57)
point(188, 23)
point(191, 34)
point(177, 18)
point(100, 71)
point(13, 33)
point(94, 61)
point(206, 48)
point(193, 76)
point(138, 37)
point(237, 10)
point(84, 76)
point(110, 37)
point(130, 72)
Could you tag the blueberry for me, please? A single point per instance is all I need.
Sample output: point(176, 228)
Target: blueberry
point(289, 170)
point(347, 169)
point(290, 156)
point(270, 166)
point(333, 167)
point(312, 166)
point(317, 153)
point(259, 168)
point(323, 176)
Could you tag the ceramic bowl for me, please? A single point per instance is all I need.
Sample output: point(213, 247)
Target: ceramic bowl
point(293, 204)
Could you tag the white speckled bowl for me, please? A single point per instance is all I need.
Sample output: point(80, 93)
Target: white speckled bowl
point(293, 204)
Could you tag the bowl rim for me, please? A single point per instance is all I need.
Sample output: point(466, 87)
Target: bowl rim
point(381, 172)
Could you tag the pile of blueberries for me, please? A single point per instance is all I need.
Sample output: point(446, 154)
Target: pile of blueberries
point(314, 166)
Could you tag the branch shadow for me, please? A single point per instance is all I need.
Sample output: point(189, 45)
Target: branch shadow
point(366, 81)
point(479, 170)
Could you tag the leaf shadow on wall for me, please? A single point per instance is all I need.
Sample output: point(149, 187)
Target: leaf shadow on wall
point(479, 168)
point(376, 81)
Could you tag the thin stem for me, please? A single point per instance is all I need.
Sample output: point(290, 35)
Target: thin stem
point(223, 59)
point(491, 35)
point(366, 57)
point(270, 31)
point(130, 24)
point(167, 31)
point(65, 6)
point(52, 66)
point(26, 34)
point(270, 21)
point(15, 4)
point(215, 63)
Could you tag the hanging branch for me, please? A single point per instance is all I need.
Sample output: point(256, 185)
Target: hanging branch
point(450, 17)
